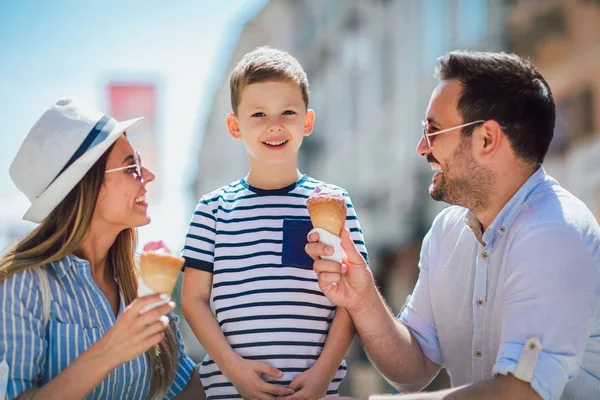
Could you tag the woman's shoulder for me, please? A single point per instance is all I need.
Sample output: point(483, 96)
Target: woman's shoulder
point(22, 290)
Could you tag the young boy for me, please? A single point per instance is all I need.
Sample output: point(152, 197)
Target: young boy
point(273, 332)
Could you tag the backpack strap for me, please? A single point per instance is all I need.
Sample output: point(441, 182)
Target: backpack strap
point(45, 292)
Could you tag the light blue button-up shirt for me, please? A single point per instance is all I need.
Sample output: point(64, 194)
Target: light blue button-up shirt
point(79, 315)
point(534, 273)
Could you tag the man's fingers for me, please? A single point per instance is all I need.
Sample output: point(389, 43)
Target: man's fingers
point(317, 249)
point(313, 237)
point(321, 266)
point(352, 253)
point(328, 280)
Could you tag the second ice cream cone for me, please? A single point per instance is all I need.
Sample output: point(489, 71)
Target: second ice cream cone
point(159, 270)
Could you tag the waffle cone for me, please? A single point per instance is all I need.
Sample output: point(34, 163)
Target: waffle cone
point(328, 213)
point(160, 270)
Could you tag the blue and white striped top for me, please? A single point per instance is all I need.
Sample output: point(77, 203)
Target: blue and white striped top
point(79, 315)
point(265, 294)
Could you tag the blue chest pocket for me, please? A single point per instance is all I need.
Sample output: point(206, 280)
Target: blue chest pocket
point(294, 242)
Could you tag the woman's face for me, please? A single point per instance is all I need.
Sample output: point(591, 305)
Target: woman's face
point(122, 199)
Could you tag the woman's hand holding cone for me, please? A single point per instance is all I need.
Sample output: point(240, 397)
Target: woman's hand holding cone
point(135, 330)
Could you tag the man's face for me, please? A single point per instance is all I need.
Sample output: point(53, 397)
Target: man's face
point(459, 179)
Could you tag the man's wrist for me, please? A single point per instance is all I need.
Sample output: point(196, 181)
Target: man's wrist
point(368, 302)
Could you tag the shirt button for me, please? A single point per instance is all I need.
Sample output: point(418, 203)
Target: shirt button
point(480, 302)
point(502, 229)
point(484, 255)
point(478, 353)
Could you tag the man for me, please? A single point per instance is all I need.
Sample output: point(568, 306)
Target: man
point(508, 295)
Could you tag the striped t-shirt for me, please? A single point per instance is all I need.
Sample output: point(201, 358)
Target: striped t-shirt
point(265, 294)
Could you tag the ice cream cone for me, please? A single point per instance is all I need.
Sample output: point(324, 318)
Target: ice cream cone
point(327, 211)
point(159, 270)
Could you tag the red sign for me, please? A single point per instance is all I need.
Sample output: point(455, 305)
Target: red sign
point(131, 100)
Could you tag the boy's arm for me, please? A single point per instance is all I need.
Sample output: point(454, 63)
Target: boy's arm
point(314, 382)
point(244, 374)
point(337, 344)
point(195, 297)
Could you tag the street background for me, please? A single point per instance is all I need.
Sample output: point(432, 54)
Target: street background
point(369, 64)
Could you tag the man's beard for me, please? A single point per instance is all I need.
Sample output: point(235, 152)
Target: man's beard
point(469, 185)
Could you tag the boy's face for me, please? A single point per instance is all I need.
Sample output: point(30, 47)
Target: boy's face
point(272, 120)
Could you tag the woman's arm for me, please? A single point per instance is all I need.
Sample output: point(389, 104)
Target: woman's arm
point(133, 333)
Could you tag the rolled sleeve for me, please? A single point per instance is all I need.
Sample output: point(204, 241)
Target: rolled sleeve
point(22, 337)
point(417, 314)
point(550, 373)
point(552, 288)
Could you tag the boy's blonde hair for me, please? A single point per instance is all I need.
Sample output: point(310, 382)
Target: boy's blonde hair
point(266, 64)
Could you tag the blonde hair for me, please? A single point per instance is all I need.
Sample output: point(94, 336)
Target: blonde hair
point(265, 64)
point(63, 231)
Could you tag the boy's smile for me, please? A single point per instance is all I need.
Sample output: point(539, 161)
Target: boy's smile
point(272, 120)
point(275, 143)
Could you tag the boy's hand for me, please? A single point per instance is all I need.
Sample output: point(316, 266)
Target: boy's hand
point(311, 384)
point(246, 379)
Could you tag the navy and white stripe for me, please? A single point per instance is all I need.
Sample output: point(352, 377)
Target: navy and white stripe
point(79, 315)
point(268, 311)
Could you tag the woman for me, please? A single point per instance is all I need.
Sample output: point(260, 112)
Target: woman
point(87, 188)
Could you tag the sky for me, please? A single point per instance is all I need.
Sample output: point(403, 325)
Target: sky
point(69, 47)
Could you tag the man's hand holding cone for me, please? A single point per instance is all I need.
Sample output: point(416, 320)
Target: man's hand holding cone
point(346, 284)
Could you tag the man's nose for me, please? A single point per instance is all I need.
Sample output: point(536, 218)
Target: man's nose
point(422, 147)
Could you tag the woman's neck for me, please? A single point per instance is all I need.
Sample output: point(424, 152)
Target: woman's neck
point(94, 248)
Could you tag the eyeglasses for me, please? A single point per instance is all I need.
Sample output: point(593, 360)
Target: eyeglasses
point(426, 134)
point(138, 166)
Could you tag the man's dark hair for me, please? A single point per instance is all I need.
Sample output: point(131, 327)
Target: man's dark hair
point(505, 88)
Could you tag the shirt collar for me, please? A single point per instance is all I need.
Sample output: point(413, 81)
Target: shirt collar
point(63, 265)
point(507, 215)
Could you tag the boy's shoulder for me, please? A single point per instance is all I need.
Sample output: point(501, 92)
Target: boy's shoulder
point(226, 191)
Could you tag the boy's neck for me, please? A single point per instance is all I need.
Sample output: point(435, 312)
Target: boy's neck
point(271, 177)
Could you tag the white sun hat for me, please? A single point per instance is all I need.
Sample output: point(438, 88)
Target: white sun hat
point(59, 150)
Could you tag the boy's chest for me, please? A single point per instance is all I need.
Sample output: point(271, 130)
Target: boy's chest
point(266, 235)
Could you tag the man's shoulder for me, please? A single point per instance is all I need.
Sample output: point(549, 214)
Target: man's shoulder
point(554, 206)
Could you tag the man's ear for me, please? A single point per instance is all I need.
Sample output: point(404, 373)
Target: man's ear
point(488, 138)
point(233, 126)
point(309, 122)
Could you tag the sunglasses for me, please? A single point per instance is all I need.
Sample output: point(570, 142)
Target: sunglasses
point(426, 134)
point(137, 165)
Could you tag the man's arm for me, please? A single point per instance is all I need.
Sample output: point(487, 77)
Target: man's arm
point(388, 342)
point(391, 347)
point(502, 387)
